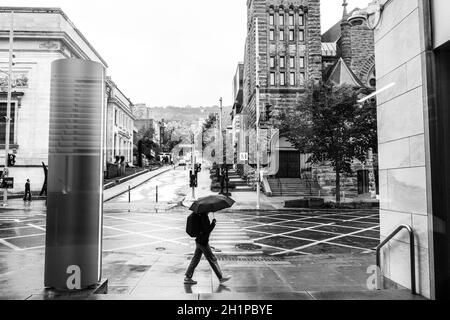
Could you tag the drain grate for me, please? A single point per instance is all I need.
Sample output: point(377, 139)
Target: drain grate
point(248, 247)
point(248, 259)
point(244, 259)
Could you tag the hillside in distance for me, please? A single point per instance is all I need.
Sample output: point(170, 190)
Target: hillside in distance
point(188, 114)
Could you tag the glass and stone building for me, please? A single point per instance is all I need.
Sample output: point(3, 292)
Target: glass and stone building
point(412, 46)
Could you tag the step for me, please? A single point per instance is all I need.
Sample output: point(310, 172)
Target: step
point(387, 295)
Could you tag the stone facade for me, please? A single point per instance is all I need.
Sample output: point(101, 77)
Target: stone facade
point(305, 48)
point(119, 124)
point(354, 42)
point(41, 36)
point(287, 63)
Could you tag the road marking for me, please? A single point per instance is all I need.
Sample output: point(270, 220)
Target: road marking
point(323, 241)
point(27, 236)
point(146, 236)
point(10, 245)
point(37, 227)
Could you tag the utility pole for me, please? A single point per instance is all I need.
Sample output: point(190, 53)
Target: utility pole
point(220, 131)
point(193, 159)
point(258, 114)
point(8, 105)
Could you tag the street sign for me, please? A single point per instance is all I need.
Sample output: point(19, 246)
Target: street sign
point(186, 146)
point(243, 156)
point(7, 183)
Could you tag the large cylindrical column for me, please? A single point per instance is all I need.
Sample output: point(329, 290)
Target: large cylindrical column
point(75, 181)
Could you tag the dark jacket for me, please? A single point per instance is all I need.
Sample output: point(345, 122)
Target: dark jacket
point(206, 227)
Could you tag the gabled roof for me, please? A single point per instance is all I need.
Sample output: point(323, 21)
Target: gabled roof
point(341, 74)
point(334, 33)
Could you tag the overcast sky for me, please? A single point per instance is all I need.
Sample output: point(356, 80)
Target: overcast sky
point(178, 52)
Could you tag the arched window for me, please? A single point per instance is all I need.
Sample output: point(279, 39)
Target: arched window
point(372, 78)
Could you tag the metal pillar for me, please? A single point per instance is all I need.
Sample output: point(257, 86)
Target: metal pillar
point(75, 184)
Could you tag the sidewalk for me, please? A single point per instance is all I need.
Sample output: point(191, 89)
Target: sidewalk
point(160, 277)
point(39, 205)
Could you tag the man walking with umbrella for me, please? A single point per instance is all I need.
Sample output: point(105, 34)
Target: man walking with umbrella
point(203, 207)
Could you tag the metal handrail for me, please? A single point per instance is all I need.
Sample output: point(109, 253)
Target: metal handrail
point(412, 253)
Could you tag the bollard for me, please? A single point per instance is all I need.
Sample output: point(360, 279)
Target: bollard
point(156, 194)
point(129, 194)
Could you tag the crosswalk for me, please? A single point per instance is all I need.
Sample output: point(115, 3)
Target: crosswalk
point(227, 235)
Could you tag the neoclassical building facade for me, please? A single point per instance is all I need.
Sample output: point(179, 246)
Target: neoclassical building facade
point(41, 36)
point(119, 124)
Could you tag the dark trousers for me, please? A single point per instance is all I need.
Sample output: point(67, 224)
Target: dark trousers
point(27, 195)
point(209, 255)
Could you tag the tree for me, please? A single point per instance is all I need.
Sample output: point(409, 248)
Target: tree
point(330, 125)
point(208, 130)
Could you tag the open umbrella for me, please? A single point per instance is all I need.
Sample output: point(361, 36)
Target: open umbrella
point(211, 204)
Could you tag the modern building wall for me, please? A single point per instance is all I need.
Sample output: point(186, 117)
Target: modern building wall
point(400, 53)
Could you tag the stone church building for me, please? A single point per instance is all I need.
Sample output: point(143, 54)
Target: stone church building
point(293, 52)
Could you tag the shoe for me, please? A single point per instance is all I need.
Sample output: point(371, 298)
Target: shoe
point(225, 279)
point(189, 281)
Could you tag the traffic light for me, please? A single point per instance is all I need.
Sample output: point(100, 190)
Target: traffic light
point(193, 181)
point(268, 112)
point(11, 160)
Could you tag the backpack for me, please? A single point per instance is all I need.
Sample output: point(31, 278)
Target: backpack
point(193, 225)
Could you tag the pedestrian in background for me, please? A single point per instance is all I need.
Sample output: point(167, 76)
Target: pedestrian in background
point(27, 191)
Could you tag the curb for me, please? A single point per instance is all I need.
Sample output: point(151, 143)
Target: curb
point(134, 187)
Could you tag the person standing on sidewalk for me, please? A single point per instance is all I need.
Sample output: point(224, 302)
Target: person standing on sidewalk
point(203, 248)
point(27, 191)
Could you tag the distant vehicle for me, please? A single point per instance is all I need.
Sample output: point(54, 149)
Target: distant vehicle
point(182, 164)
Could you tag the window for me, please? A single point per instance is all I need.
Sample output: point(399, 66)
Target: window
point(292, 78)
point(292, 62)
point(3, 111)
point(272, 78)
point(272, 62)
point(281, 19)
point(291, 19)
point(272, 35)
point(282, 78)
point(271, 19)
point(281, 35)
point(301, 20)
point(302, 77)
point(301, 35)
point(291, 35)
point(115, 117)
point(302, 62)
point(282, 62)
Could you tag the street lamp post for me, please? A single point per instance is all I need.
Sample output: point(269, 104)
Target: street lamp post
point(258, 169)
point(8, 106)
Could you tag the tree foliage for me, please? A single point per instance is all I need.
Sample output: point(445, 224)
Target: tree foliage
point(330, 125)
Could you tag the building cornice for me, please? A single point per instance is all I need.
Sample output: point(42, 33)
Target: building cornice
point(43, 10)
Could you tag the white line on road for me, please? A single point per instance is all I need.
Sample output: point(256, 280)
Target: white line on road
point(9, 245)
